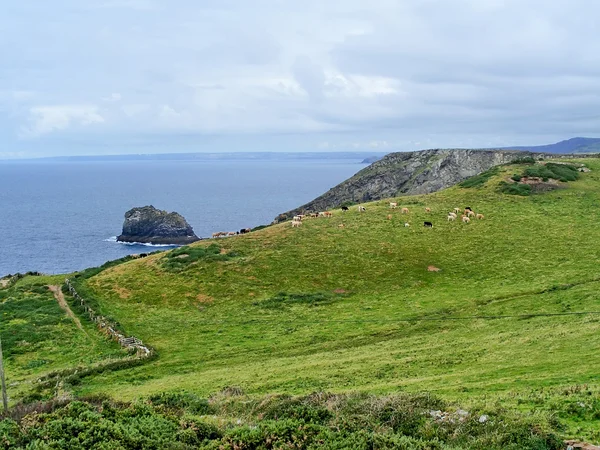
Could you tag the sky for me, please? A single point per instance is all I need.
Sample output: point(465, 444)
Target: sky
point(156, 76)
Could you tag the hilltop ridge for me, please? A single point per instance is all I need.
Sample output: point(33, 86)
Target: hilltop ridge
point(414, 173)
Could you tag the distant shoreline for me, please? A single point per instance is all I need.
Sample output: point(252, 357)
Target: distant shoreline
point(232, 156)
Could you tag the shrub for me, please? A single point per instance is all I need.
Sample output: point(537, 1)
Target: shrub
point(524, 160)
point(182, 257)
point(516, 177)
point(481, 179)
point(284, 299)
point(562, 172)
point(183, 401)
point(515, 189)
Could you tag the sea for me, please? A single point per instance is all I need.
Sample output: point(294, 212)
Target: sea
point(64, 216)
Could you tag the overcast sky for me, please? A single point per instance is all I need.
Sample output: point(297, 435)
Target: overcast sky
point(148, 76)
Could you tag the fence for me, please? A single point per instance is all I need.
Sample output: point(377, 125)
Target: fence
point(129, 342)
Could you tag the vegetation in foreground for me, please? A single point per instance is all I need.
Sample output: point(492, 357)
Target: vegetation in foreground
point(231, 420)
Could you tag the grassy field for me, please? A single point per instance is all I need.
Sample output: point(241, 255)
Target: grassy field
point(38, 336)
point(513, 316)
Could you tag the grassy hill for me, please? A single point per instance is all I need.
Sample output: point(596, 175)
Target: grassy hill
point(513, 316)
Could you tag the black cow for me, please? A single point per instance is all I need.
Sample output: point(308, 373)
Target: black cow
point(244, 230)
point(427, 224)
point(468, 208)
point(344, 208)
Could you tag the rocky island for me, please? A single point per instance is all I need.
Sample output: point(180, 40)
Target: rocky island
point(148, 225)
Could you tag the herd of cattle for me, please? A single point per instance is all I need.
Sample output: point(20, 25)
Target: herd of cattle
point(466, 215)
point(230, 233)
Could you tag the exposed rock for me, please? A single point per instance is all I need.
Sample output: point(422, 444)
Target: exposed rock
point(149, 225)
point(407, 173)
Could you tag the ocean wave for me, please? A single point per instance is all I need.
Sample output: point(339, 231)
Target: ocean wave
point(114, 239)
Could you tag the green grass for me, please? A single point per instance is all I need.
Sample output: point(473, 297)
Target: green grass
point(483, 329)
point(38, 336)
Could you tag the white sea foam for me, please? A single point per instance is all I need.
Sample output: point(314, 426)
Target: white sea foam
point(114, 239)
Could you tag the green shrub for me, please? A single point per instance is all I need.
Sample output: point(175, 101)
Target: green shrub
point(182, 400)
point(182, 257)
point(524, 160)
point(481, 179)
point(562, 172)
point(283, 299)
point(516, 177)
point(515, 189)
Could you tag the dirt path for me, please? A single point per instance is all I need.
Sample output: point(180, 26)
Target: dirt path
point(60, 298)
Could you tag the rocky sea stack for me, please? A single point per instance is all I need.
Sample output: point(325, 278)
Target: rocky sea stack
point(149, 225)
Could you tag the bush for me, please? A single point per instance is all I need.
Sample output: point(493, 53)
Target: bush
point(284, 299)
point(562, 172)
point(516, 177)
point(515, 189)
point(481, 179)
point(184, 256)
point(524, 160)
point(182, 401)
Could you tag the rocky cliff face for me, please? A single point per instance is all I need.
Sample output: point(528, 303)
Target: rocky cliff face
point(407, 173)
point(149, 225)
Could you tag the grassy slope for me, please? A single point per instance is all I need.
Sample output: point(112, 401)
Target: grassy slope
point(38, 336)
point(210, 333)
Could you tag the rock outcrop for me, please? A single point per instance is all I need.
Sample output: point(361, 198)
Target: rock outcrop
point(407, 173)
point(149, 225)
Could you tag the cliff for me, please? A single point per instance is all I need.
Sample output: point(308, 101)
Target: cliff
point(149, 225)
point(420, 172)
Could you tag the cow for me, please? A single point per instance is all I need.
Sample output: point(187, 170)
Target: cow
point(389, 217)
point(341, 225)
point(361, 208)
point(465, 219)
point(393, 205)
point(451, 217)
point(480, 216)
point(470, 213)
point(328, 214)
point(468, 208)
point(456, 210)
point(297, 218)
point(245, 230)
point(427, 210)
point(231, 233)
point(344, 208)
point(296, 224)
point(404, 210)
point(427, 224)
point(433, 269)
point(406, 224)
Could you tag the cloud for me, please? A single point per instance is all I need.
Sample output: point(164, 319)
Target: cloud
point(424, 72)
point(48, 119)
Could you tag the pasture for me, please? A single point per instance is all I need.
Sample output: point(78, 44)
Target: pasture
point(472, 327)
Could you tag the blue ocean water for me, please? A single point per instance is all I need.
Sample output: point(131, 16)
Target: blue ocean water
point(58, 217)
